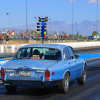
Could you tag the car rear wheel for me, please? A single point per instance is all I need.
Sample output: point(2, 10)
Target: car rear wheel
point(64, 85)
point(10, 88)
point(82, 79)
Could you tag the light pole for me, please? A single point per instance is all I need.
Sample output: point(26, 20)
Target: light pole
point(97, 16)
point(9, 19)
point(26, 15)
point(36, 21)
point(76, 27)
point(65, 26)
point(94, 26)
point(73, 18)
point(50, 26)
point(86, 28)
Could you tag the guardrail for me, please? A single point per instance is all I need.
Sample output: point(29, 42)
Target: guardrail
point(14, 40)
point(53, 40)
point(46, 40)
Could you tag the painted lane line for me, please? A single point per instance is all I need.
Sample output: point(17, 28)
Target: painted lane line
point(92, 77)
point(87, 52)
point(6, 58)
point(87, 48)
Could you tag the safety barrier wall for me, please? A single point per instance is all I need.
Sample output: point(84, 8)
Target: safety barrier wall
point(82, 44)
point(14, 48)
point(9, 48)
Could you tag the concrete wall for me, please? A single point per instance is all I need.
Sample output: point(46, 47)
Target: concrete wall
point(81, 44)
point(14, 48)
point(10, 48)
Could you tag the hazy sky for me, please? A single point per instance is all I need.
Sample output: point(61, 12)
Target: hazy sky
point(56, 10)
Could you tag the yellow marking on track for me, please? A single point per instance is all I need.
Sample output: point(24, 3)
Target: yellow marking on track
point(93, 58)
point(6, 58)
point(1, 82)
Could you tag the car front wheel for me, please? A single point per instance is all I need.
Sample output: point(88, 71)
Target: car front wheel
point(64, 85)
point(10, 88)
point(82, 79)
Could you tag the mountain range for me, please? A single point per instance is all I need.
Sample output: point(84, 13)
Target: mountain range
point(84, 28)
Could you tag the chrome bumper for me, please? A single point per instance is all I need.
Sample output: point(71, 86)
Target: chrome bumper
point(24, 79)
point(13, 79)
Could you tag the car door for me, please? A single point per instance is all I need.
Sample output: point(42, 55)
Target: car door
point(69, 63)
point(78, 63)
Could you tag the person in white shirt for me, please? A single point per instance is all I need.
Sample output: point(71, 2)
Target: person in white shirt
point(13, 34)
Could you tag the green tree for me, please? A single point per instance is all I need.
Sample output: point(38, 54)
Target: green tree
point(70, 35)
point(77, 35)
point(95, 33)
point(80, 36)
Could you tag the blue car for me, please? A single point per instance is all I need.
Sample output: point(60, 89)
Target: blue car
point(43, 65)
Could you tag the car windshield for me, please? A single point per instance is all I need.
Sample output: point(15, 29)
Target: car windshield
point(38, 53)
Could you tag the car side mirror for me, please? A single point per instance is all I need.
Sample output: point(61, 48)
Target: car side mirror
point(77, 56)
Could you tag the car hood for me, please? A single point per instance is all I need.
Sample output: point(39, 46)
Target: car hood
point(30, 63)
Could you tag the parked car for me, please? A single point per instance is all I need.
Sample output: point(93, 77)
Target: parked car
point(43, 65)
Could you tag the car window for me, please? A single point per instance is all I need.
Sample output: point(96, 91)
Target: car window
point(66, 54)
point(23, 53)
point(39, 53)
point(71, 52)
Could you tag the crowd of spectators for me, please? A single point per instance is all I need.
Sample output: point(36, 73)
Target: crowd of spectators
point(26, 35)
point(13, 35)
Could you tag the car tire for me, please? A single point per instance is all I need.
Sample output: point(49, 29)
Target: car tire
point(10, 88)
point(64, 85)
point(82, 79)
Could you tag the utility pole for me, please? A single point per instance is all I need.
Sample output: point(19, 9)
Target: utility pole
point(9, 19)
point(50, 26)
point(97, 16)
point(73, 18)
point(76, 27)
point(26, 15)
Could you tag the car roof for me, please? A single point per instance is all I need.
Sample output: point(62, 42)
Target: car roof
point(58, 46)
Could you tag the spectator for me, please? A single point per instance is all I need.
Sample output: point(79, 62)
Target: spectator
point(51, 36)
point(0, 38)
point(10, 34)
point(29, 37)
point(21, 34)
point(26, 35)
point(13, 34)
point(7, 37)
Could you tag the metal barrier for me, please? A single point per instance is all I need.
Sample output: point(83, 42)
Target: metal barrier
point(59, 40)
point(14, 40)
point(46, 40)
